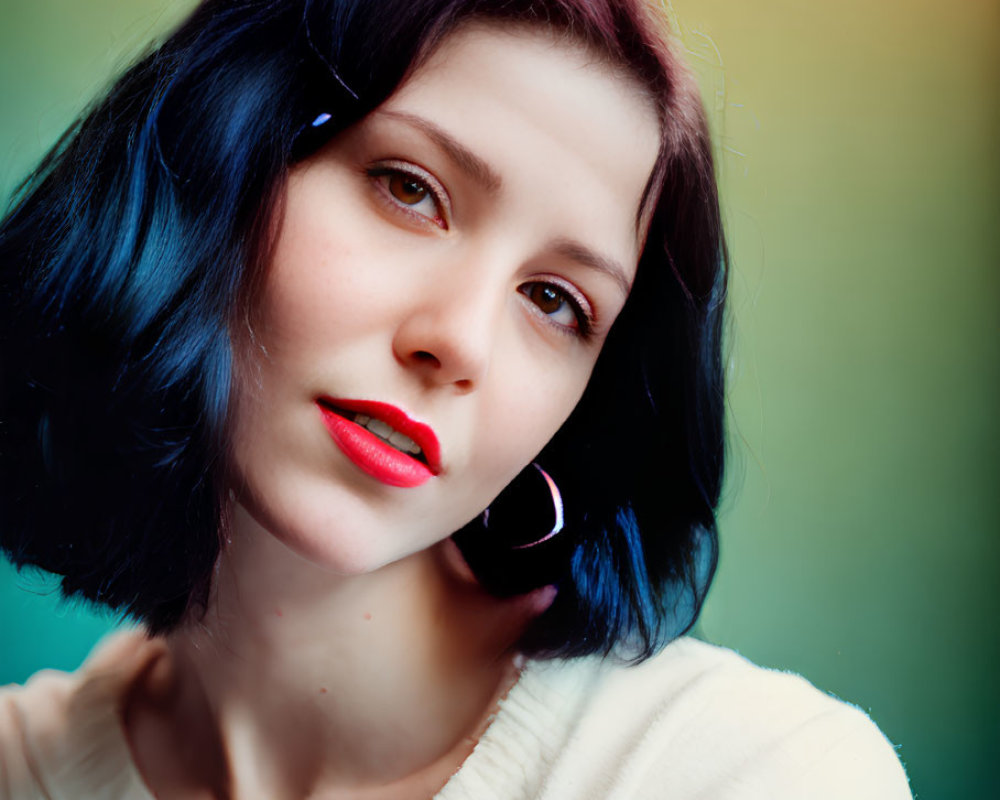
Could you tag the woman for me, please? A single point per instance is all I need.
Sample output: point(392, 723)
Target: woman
point(318, 285)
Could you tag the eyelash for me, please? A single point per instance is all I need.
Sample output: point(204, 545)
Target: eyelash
point(585, 322)
point(384, 173)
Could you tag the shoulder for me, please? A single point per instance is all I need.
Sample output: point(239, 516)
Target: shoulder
point(746, 731)
point(61, 734)
point(694, 721)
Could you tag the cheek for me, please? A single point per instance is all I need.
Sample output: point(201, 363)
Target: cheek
point(301, 288)
point(321, 275)
point(515, 429)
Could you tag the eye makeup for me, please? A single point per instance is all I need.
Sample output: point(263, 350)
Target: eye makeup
point(544, 292)
point(395, 179)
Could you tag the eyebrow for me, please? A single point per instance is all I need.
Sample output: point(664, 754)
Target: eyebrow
point(480, 171)
point(581, 254)
point(487, 177)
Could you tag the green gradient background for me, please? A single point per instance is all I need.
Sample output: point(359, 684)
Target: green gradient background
point(860, 167)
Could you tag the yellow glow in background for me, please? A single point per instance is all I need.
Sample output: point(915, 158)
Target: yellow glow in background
point(858, 147)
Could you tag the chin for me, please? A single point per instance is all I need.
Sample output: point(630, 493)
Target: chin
point(347, 542)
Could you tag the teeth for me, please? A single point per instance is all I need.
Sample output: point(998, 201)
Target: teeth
point(404, 443)
point(379, 428)
point(388, 433)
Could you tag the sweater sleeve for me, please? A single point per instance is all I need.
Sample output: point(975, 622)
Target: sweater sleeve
point(847, 756)
point(765, 735)
point(836, 755)
point(20, 771)
point(61, 736)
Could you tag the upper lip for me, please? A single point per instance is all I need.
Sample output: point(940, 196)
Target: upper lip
point(396, 418)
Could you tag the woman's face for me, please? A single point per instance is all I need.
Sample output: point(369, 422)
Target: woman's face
point(449, 267)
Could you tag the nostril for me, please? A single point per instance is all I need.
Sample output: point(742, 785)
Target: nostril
point(445, 365)
point(424, 356)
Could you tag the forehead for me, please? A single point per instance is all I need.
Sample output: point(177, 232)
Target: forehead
point(546, 75)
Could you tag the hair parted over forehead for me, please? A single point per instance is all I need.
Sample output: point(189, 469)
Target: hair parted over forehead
point(129, 256)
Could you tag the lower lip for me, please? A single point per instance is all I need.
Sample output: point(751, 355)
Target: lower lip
point(372, 455)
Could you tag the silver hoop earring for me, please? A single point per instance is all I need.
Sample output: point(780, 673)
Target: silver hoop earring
point(554, 498)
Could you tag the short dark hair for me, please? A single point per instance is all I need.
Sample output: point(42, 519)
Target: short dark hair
point(129, 253)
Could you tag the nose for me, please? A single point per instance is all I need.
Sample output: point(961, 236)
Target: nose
point(448, 337)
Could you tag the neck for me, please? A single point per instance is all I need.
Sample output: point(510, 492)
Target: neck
point(305, 682)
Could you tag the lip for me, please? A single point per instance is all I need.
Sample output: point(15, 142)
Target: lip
point(374, 456)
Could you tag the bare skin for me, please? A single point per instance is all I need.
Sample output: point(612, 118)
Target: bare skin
point(414, 658)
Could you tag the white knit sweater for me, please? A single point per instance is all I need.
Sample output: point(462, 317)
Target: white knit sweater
point(696, 721)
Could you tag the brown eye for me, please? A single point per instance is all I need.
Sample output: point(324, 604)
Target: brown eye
point(411, 192)
point(558, 305)
point(547, 298)
point(407, 190)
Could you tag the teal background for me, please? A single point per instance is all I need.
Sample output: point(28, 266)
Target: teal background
point(859, 161)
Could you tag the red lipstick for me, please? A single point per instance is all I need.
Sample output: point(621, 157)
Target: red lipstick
point(373, 454)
